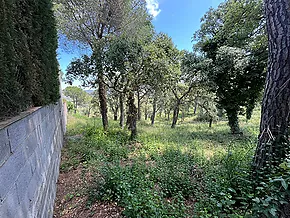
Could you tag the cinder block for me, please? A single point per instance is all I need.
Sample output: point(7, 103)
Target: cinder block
point(32, 122)
point(23, 209)
point(9, 207)
point(30, 144)
point(32, 169)
point(10, 171)
point(4, 146)
point(34, 190)
point(17, 133)
point(23, 181)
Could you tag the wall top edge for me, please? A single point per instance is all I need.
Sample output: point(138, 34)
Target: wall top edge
point(22, 115)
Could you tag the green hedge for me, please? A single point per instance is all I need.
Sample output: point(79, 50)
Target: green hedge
point(29, 74)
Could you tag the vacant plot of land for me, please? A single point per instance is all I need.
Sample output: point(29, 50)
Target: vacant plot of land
point(189, 171)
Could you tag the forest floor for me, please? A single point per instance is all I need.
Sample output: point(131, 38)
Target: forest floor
point(188, 171)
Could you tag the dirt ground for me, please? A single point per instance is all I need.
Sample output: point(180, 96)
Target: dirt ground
point(71, 197)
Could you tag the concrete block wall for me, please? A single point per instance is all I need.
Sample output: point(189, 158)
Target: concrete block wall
point(30, 148)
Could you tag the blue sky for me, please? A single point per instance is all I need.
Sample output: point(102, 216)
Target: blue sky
point(178, 18)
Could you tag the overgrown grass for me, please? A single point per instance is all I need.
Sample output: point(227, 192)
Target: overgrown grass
point(189, 171)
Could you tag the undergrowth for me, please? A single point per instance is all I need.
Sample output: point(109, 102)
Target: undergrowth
point(189, 171)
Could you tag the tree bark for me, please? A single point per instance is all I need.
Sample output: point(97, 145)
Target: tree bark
point(122, 114)
point(103, 101)
point(175, 114)
point(276, 102)
point(132, 115)
point(154, 111)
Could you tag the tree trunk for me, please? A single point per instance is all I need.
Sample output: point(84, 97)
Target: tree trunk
point(276, 102)
point(175, 114)
point(182, 115)
point(122, 115)
point(115, 114)
point(195, 106)
point(103, 101)
point(132, 115)
point(139, 105)
point(154, 111)
point(75, 106)
point(89, 112)
point(210, 123)
point(146, 110)
point(233, 121)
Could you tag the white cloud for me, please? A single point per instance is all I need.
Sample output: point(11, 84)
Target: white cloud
point(153, 7)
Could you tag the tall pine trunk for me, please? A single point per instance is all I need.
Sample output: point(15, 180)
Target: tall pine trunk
point(276, 102)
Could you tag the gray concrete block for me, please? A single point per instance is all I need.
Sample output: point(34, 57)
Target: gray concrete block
point(4, 146)
point(30, 144)
point(10, 171)
point(23, 181)
point(30, 173)
point(17, 133)
point(40, 134)
point(9, 207)
point(34, 190)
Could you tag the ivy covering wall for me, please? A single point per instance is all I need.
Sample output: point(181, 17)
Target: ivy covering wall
point(29, 74)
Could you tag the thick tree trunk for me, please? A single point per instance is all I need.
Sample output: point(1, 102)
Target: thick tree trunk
point(276, 102)
point(175, 114)
point(154, 111)
point(103, 101)
point(132, 115)
point(233, 121)
point(122, 113)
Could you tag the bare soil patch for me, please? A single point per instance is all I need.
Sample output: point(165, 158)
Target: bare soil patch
point(71, 197)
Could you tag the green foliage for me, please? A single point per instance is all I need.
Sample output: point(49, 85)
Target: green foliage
point(77, 95)
point(29, 68)
point(189, 171)
point(159, 175)
point(233, 38)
